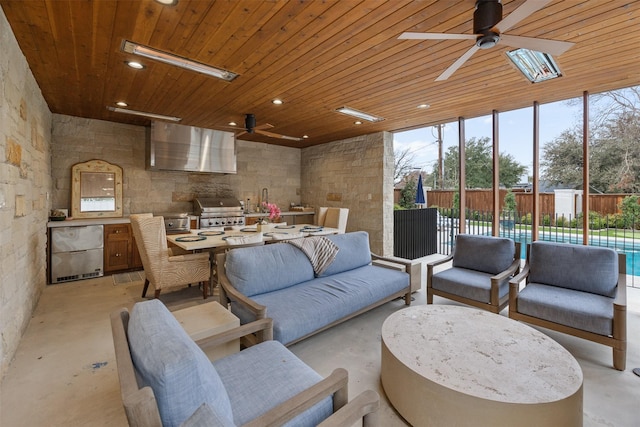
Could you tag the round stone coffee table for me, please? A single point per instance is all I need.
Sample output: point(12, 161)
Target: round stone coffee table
point(446, 365)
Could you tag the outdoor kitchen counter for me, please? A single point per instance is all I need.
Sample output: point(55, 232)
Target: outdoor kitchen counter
point(93, 221)
point(284, 215)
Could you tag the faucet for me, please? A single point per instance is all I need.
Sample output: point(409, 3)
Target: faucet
point(265, 198)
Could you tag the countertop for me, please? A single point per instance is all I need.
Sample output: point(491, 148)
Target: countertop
point(288, 213)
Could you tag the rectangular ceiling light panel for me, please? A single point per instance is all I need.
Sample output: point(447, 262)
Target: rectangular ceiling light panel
point(178, 61)
point(144, 114)
point(359, 114)
point(536, 66)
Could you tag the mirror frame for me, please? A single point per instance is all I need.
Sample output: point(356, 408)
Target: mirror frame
point(95, 166)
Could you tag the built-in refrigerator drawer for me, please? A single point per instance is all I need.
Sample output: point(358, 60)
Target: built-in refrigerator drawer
point(77, 265)
point(76, 253)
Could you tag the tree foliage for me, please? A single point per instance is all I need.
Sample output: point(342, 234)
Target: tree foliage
point(479, 166)
point(614, 147)
point(403, 164)
point(408, 195)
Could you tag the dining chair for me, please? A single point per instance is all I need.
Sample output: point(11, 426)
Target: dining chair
point(334, 218)
point(162, 268)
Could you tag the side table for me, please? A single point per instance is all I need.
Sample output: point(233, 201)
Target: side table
point(204, 320)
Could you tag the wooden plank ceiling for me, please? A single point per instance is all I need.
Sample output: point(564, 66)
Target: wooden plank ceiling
point(314, 55)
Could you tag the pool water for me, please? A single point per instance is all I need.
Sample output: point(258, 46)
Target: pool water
point(627, 247)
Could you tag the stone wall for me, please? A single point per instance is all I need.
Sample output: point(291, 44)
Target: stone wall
point(25, 185)
point(355, 173)
point(259, 166)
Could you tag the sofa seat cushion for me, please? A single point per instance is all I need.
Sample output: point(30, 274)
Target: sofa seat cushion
point(580, 310)
point(307, 307)
point(469, 284)
point(177, 370)
point(582, 268)
point(261, 269)
point(263, 376)
point(471, 252)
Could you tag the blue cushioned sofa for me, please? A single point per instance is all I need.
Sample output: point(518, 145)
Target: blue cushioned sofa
point(574, 289)
point(167, 380)
point(278, 281)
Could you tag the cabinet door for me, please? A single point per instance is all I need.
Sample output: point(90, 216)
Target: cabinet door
point(117, 247)
point(136, 260)
point(116, 253)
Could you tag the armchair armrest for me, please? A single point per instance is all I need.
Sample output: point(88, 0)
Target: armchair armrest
point(518, 278)
point(440, 261)
point(336, 383)
point(402, 261)
point(364, 407)
point(262, 327)
point(513, 269)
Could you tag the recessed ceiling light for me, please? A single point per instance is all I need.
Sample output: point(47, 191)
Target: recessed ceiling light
point(233, 124)
point(134, 64)
point(277, 101)
point(121, 104)
point(359, 114)
point(144, 114)
point(423, 106)
point(178, 61)
point(168, 2)
point(305, 136)
point(357, 122)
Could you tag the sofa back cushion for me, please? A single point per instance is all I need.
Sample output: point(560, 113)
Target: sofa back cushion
point(261, 269)
point(177, 370)
point(487, 254)
point(585, 268)
point(354, 252)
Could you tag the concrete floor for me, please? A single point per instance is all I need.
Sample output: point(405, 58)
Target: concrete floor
point(64, 371)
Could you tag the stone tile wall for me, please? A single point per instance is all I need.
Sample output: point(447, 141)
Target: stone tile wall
point(356, 173)
point(259, 166)
point(25, 187)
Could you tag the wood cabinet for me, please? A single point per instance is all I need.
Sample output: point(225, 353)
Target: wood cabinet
point(120, 250)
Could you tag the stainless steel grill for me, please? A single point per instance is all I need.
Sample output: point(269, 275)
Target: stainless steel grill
point(218, 212)
point(176, 223)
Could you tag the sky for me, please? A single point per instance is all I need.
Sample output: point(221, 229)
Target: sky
point(515, 133)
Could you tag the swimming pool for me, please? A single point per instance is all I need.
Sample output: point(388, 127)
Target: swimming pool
point(629, 247)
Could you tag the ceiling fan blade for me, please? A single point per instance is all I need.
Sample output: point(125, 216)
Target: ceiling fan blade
point(526, 9)
point(264, 126)
point(552, 47)
point(452, 69)
point(277, 135)
point(436, 36)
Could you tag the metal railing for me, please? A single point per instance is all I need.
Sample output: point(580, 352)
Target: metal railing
point(609, 232)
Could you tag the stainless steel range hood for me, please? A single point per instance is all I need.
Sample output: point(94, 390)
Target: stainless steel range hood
point(190, 149)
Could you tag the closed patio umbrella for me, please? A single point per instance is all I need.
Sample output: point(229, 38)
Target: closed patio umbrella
point(420, 192)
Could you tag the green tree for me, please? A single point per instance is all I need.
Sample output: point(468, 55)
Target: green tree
point(510, 201)
point(479, 166)
point(408, 195)
point(630, 212)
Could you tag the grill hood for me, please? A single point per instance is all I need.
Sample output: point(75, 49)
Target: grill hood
point(190, 149)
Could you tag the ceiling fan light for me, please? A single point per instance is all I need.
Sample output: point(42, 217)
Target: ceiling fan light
point(536, 66)
point(359, 114)
point(178, 61)
point(487, 41)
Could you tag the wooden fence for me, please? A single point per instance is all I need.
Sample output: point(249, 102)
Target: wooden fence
point(482, 200)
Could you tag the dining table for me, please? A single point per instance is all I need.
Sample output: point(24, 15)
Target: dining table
point(212, 238)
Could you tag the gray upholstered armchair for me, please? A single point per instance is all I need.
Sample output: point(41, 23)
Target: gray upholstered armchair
point(481, 267)
point(577, 290)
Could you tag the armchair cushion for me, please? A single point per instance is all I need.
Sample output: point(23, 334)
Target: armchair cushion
point(177, 370)
point(564, 265)
point(469, 284)
point(580, 310)
point(471, 252)
point(206, 417)
point(274, 375)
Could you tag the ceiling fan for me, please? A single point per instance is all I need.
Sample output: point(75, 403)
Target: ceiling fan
point(488, 30)
point(250, 127)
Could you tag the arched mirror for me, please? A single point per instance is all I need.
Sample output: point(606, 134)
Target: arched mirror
point(96, 190)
